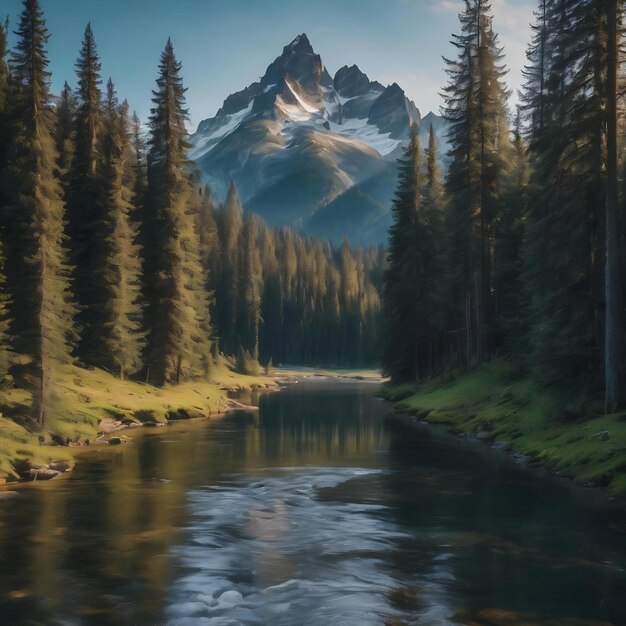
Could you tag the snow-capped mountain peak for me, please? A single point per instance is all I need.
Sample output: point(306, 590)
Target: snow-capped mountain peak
point(298, 139)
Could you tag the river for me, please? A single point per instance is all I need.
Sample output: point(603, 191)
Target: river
point(316, 510)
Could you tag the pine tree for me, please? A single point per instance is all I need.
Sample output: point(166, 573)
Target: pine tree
point(5, 138)
point(565, 239)
point(400, 289)
point(250, 286)
point(210, 250)
point(476, 110)
point(120, 340)
point(510, 232)
point(209, 238)
point(613, 344)
point(206, 248)
point(5, 89)
point(4, 67)
point(37, 269)
point(431, 268)
point(271, 300)
point(86, 196)
point(6, 352)
point(65, 131)
point(179, 306)
point(138, 147)
point(227, 294)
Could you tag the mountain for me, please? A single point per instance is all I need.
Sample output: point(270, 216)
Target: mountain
point(309, 150)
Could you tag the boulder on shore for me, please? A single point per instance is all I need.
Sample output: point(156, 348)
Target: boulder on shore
point(60, 466)
point(39, 473)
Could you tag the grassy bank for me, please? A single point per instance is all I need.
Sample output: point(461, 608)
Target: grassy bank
point(495, 405)
point(300, 371)
point(92, 401)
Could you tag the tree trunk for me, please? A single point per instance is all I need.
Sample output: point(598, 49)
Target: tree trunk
point(613, 282)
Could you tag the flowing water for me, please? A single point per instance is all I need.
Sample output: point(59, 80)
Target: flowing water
point(315, 511)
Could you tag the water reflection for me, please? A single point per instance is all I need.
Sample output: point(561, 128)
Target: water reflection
point(312, 511)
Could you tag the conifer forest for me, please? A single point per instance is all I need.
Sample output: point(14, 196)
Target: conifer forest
point(115, 255)
point(353, 332)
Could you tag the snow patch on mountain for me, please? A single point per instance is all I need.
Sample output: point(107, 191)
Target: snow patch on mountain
point(202, 143)
point(360, 130)
point(303, 103)
point(297, 138)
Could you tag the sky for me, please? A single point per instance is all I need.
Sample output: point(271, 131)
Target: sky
point(225, 45)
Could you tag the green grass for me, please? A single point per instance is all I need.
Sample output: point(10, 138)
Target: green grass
point(297, 371)
point(83, 398)
point(529, 419)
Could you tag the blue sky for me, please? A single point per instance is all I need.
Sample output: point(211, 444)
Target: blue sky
point(226, 44)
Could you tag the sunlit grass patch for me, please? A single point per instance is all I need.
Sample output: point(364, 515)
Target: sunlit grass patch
point(83, 398)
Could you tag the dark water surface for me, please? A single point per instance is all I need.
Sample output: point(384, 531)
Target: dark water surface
point(315, 511)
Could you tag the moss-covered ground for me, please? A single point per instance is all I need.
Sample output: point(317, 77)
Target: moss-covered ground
point(496, 404)
point(84, 398)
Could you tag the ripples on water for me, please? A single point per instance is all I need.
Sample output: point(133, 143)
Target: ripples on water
point(269, 551)
point(314, 512)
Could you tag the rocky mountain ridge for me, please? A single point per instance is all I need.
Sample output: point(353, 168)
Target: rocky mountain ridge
point(298, 140)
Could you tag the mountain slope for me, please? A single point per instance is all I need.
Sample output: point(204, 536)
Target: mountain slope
point(309, 150)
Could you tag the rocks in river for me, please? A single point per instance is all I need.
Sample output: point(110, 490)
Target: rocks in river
point(520, 459)
point(230, 598)
point(115, 441)
point(196, 611)
point(484, 435)
point(39, 473)
point(60, 466)
point(502, 446)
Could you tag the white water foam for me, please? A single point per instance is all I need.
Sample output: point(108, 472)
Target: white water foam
point(267, 550)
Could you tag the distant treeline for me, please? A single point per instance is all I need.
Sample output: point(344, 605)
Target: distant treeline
point(284, 298)
point(114, 257)
point(520, 251)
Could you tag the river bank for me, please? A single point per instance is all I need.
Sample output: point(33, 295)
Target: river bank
point(99, 409)
point(495, 406)
point(314, 505)
point(93, 405)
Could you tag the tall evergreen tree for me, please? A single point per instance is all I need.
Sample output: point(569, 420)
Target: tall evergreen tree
point(412, 290)
point(37, 269)
point(400, 353)
point(138, 146)
point(178, 307)
point(564, 245)
point(210, 248)
point(4, 67)
point(5, 138)
point(228, 294)
point(86, 196)
point(431, 267)
point(510, 232)
point(613, 339)
point(249, 307)
point(65, 131)
point(120, 340)
point(476, 110)
point(5, 98)
point(271, 300)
